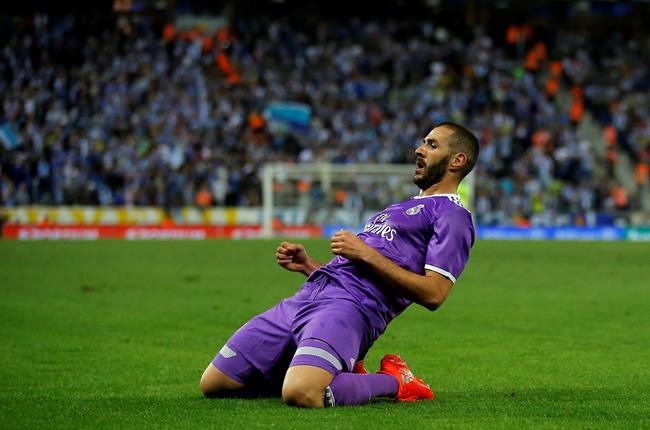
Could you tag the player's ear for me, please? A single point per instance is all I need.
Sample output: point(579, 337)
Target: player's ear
point(458, 160)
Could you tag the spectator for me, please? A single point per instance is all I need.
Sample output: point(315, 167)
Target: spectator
point(121, 115)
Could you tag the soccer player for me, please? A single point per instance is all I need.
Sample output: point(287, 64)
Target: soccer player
point(411, 252)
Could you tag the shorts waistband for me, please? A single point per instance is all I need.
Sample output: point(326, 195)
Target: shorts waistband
point(317, 277)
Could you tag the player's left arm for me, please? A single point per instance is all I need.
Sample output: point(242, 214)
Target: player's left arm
point(294, 258)
point(429, 290)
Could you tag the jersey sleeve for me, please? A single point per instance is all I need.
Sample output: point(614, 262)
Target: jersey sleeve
point(448, 249)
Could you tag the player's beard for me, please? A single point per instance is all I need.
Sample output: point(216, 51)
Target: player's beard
point(432, 174)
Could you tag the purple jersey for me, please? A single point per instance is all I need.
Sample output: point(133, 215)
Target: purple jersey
point(340, 311)
point(422, 233)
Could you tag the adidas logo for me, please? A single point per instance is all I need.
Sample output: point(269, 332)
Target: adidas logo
point(407, 376)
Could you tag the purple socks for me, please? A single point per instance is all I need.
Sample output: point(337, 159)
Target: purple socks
point(357, 389)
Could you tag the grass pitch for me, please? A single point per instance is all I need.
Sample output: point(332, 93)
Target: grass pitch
point(117, 334)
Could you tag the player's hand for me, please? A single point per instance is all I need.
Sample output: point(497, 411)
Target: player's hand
point(348, 245)
point(291, 256)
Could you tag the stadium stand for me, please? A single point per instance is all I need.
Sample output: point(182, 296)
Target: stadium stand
point(125, 111)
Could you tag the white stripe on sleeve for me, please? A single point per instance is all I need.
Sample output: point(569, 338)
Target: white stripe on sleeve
point(444, 273)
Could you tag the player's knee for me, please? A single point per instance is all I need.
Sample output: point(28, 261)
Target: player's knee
point(209, 388)
point(214, 383)
point(303, 395)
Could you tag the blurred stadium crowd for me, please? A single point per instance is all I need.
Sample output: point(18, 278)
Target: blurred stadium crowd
point(136, 114)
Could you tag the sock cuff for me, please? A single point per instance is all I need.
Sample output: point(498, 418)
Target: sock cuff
point(330, 401)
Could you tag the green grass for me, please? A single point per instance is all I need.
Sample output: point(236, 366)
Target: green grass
point(117, 334)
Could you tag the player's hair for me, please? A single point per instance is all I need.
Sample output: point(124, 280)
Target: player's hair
point(462, 140)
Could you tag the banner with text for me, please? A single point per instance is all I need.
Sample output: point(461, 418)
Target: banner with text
point(83, 232)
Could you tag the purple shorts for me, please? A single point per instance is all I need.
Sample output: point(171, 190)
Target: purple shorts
point(321, 326)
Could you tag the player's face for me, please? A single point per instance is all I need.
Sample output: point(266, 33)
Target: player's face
point(432, 158)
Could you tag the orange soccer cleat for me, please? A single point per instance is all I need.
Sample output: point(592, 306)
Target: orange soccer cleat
point(411, 388)
point(359, 368)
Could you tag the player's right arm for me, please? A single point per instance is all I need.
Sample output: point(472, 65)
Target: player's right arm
point(294, 258)
point(429, 290)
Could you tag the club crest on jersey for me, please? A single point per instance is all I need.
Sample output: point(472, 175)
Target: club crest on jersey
point(414, 210)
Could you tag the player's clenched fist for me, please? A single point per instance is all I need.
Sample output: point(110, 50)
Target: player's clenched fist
point(348, 245)
point(291, 256)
